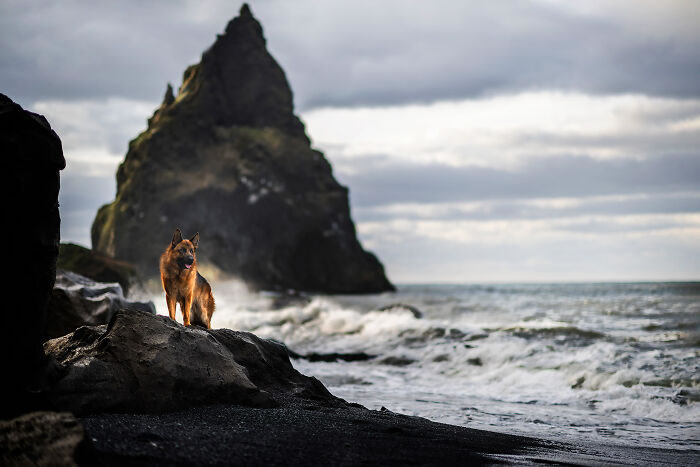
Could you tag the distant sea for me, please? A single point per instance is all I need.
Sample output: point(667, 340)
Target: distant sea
point(613, 362)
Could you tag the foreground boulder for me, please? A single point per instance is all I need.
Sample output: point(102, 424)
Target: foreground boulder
point(228, 158)
point(44, 438)
point(147, 363)
point(32, 157)
point(78, 301)
point(97, 266)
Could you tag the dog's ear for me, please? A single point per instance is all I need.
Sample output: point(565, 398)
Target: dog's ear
point(177, 238)
point(195, 240)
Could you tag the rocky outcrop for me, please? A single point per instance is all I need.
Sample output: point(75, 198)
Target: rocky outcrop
point(44, 438)
point(146, 363)
point(32, 158)
point(78, 301)
point(228, 158)
point(97, 266)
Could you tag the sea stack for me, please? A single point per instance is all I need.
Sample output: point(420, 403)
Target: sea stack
point(227, 157)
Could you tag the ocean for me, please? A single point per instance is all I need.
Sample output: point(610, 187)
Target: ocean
point(612, 362)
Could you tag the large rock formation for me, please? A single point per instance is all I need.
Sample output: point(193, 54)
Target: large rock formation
point(78, 301)
point(32, 157)
point(227, 157)
point(141, 362)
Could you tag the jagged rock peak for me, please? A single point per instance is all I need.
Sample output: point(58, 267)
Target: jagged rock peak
point(238, 83)
point(169, 98)
point(245, 26)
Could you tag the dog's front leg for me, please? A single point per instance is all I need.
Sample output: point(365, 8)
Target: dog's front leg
point(186, 310)
point(170, 301)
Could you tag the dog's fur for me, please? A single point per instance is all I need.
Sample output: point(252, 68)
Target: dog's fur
point(183, 284)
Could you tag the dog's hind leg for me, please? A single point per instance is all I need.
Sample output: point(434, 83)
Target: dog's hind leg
point(197, 314)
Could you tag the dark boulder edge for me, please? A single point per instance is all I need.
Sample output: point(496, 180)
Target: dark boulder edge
point(32, 155)
point(79, 301)
point(227, 157)
point(145, 363)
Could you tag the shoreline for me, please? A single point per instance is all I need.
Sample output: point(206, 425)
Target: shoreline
point(237, 399)
point(302, 432)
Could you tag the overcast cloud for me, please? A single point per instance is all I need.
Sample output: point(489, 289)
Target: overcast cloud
point(358, 52)
point(551, 177)
point(521, 140)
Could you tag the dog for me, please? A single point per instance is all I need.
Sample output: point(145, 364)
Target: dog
point(183, 284)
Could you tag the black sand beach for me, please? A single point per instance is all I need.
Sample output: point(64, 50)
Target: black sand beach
point(303, 433)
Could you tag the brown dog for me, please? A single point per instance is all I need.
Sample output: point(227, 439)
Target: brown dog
point(183, 284)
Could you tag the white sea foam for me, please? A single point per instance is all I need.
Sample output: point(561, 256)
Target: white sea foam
point(612, 361)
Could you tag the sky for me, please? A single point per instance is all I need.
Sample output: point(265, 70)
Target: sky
point(496, 141)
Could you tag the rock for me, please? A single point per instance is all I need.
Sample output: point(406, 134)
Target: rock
point(144, 363)
point(229, 159)
point(44, 438)
point(168, 99)
point(333, 357)
point(32, 157)
point(78, 301)
point(288, 299)
point(402, 306)
point(97, 266)
point(397, 360)
point(416, 336)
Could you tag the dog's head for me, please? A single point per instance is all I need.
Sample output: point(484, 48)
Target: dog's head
point(184, 250)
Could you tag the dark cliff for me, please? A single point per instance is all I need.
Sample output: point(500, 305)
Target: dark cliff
point(227, 157)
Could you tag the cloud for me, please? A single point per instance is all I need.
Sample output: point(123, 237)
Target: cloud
point(80, 197)
point(587, 248)
point(534, 232)
point(98, 128)
point(534, 208)
point(501, 131)
point(477, 161)
point(73, 226)
point(532, 139)
point(548, 177)
point(357, 53)
point(79, 50)
point(421, 52)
